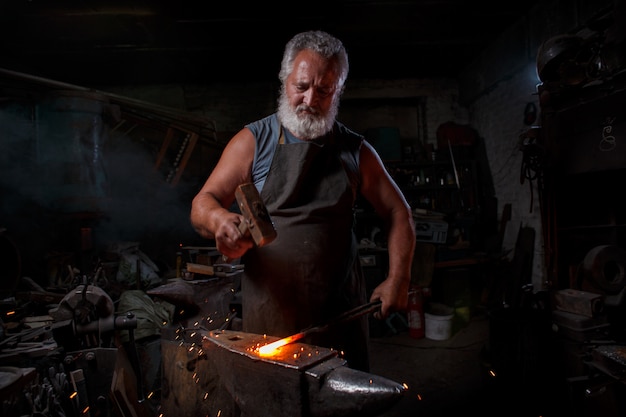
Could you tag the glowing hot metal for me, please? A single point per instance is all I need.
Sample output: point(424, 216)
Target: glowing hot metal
point(271, 348)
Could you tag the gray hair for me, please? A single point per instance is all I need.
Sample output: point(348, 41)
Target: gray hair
point(318, 41)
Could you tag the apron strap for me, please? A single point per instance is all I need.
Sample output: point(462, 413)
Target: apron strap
point(281, 138)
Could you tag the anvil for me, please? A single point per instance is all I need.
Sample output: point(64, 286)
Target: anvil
point(297, 380)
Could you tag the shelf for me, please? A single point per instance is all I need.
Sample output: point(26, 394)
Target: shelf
point(582, 204)
point(432, 185)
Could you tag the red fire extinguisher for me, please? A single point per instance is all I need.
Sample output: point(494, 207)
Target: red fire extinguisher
point(415, 311)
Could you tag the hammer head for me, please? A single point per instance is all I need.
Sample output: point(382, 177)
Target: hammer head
point(257, 220)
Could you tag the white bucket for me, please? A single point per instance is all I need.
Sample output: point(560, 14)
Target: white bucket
point(438, 321)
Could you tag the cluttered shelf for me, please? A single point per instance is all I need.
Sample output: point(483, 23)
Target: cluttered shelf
point(440, 185)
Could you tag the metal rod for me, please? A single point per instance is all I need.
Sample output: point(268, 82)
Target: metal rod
point(342, 318)
point(350, 314)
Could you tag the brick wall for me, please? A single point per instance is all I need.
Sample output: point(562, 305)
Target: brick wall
point(496, 88)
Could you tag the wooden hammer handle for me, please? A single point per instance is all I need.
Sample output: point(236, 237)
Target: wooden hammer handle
point(243, 228)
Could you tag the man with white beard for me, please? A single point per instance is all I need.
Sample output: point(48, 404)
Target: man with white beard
point(309, 169)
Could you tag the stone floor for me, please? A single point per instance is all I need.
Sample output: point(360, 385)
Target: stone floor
point(452, 377)
point(440, 375)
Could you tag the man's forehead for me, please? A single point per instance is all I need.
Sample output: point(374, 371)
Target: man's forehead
point(309, 66)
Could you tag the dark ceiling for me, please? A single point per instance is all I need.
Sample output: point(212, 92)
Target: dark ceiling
point(95, 43)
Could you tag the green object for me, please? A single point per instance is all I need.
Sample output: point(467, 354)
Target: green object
point(386, 141)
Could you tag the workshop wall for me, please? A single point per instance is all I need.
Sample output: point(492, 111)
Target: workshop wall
point(497, 89)
point(233, 105)
point(490, 95)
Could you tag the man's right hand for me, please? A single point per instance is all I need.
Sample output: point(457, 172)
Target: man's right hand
point(229, 239)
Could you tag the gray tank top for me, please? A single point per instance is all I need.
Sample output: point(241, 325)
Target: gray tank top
point(267, 132)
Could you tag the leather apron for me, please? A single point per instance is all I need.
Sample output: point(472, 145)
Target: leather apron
point(310, 273)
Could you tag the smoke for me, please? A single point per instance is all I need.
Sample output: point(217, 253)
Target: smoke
point(140, 202)
point(62, 168)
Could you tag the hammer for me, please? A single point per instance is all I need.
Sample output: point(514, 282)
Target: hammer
point(257, 222)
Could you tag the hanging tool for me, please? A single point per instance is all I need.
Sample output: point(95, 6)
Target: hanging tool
point(456, 173)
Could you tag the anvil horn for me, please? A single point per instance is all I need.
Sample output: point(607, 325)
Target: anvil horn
point(348, 392)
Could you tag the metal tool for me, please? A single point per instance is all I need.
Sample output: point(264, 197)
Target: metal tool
point(342, 318)
point(227, 270)
point(90, 318)
point(456, 172)
point(257, 222)
point(220, 270)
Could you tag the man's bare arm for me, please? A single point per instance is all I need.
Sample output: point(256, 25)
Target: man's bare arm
point(389, 203)
point(210, 215)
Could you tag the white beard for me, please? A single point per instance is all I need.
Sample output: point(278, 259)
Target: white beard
point(305, 126)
